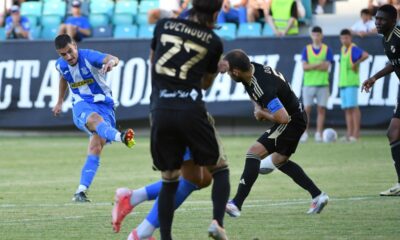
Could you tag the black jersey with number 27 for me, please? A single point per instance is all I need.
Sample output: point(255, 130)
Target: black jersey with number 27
point(183, 52)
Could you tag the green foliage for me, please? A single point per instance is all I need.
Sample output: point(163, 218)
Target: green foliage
point(38, 177)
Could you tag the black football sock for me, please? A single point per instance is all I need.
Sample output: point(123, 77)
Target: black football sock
point(300, 177)
point(220, 194)
point(395, 149)
point(249, 176)
point(166, 200)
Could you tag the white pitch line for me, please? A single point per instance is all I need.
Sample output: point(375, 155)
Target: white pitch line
point(41, 219)
point(266, 201)
point(249, 204)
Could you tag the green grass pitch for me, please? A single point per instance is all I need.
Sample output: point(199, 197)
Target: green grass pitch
point(38, 176)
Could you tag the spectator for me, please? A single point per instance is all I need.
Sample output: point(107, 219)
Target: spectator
point(317, 58)
point(319, 9)
point(301, 10)
point(365, 26)
point(76, 26)
point(233, 11)
point(349, 82)
point(257, 9)
point(283, 16)
point(167, 9)
point(17, 26)
point(4, 8)
point(396, 4)
point(373, 5)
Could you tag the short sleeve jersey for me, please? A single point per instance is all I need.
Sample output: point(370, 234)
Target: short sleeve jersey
point(183, 52)
point(356, 53)
point(329, 54)
point(85, 80)
point(267, 84)
point(391, 46)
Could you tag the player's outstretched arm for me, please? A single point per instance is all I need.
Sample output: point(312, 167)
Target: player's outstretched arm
point(367, 84)
point(109, 62)
point(62, 90)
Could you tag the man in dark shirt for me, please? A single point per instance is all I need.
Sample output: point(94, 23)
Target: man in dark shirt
point(184, 56)
point(273, 101)
point(385, 21)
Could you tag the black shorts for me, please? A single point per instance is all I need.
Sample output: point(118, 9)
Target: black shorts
point(284, 138)
point(174, 130)
point(396, 111)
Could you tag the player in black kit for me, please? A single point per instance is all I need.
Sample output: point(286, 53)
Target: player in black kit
point(185, 55)
point(273, 101)
point(385, 21)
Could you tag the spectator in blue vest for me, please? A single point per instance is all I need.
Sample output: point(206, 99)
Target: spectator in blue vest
point(76, 26)
point(17, 26)
point(233, 11)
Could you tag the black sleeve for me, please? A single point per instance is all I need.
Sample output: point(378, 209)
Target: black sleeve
point(214, 59)
point(155, 35)
point(293, 11)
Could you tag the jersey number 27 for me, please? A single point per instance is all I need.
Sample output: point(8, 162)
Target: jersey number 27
point(178, 43)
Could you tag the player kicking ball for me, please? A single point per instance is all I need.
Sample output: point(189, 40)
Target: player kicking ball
point(84, 72)
point(273, 101)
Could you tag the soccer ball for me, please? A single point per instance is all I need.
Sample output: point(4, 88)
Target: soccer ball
point(265, 167)
point(329, 135)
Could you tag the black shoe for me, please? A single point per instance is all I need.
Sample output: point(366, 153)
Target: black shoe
point(80, 197)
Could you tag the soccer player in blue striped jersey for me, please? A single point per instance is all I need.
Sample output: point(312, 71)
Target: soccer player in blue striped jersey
point(84, 71)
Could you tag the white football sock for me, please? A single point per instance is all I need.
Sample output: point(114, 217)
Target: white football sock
point(81, 188)
point(138, 196)
point(118, 137)
point(145, 229)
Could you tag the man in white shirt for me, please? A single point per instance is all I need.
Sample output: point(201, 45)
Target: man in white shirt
point(365, 26)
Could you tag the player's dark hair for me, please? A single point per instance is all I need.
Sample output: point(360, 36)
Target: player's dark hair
point(365, 11)
point(316, 29)
point(204, 10)
point(238, 59)
point(62, 41)
point(345, 32)
point(389, 10)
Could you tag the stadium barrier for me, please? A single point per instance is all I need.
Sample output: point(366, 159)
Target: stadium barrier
point(29, 81)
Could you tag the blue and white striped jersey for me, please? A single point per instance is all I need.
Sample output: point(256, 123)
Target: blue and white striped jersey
point(84, 79)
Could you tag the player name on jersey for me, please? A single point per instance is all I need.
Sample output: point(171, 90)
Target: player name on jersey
point(186, 29)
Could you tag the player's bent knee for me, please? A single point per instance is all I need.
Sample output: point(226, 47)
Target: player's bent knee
point(218, 169)
point(93, 120)
point(170, 175)
point(95, 149)
point(393, 133)
point(257, 149)
point(279, 159)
